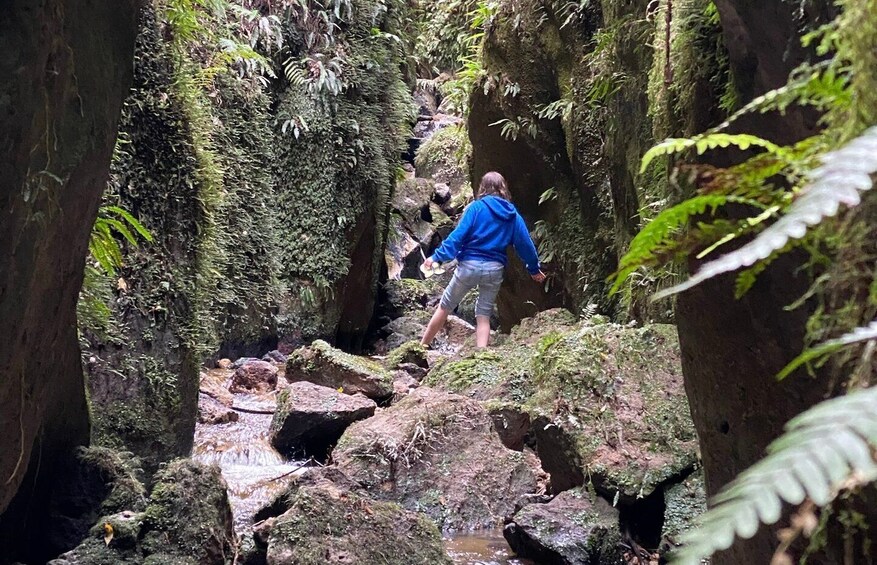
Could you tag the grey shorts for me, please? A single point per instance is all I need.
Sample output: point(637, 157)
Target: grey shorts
point(487, 276)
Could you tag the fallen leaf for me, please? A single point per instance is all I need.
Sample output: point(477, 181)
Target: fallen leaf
point(108, 533)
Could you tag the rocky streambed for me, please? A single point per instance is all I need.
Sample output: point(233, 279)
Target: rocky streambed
point(567, 442)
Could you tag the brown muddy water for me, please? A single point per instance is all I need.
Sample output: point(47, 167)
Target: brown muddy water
point(482, 548)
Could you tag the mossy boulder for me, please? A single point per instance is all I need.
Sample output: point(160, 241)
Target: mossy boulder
point(412, 352)
point(187, 521)
point(99, 482)
point(684, 502)
point(188, 515)
point(310, 418)
point(327, 523)
point(574, 528)
point(437, 452)
point(444, 158)
point(322, 364)
point(606, 401)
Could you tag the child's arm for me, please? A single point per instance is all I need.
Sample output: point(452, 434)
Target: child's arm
point(452, 244)
point(526, 250)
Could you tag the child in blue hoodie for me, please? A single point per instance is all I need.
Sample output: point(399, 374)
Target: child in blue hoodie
point(488, 226)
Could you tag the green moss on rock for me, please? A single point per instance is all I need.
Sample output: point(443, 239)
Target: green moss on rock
point(325, 525)
point(322, 364)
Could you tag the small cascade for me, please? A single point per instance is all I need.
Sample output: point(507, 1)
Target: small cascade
point(255, 472)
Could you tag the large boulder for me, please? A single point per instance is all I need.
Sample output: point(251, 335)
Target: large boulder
point(188, 515)
point(324, 365)
point(211, 411)
point(187, 521)
point(254, 376)
point(437, 452)
point(571, 529)
point(310, 418)
point(321, 521)
point(606, 401)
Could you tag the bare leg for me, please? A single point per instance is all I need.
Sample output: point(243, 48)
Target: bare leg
point(482, 330)
point(435, 324)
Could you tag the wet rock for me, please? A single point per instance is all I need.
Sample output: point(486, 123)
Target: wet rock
point(412, 196)
point(569, 530)
point(188, 515)
point(411, 352)
point(684, 502)
point(211, 411)
point(254, 376)
point(274, 356)
point(324, 365)
point(320, 522)
point(442, 193)
point(457, 329)
point(438, 453)
point(213, 384)
point(310, 418)
point(225, 364)
point(402, 254)
point(405, 329)
point(243, 361)
point(408, 297)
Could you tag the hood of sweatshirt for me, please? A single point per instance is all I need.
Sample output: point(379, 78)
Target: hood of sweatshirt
point(499, 207)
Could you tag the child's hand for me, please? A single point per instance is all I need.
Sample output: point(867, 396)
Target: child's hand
point(538, 277)
point(428, 263)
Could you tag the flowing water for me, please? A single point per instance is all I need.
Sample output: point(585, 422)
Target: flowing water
point(256, 473)
point(254, 470)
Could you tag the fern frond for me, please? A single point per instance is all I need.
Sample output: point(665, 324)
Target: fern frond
point(821, 451)
point(843, 175)
point(658, 233)
point(858, 335)
point(706, 142)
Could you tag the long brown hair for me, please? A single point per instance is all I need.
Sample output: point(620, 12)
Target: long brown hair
point(494, 184)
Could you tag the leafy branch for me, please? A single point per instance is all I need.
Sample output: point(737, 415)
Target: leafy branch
point(843, 175)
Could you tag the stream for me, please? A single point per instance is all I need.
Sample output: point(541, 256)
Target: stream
point(256, 473)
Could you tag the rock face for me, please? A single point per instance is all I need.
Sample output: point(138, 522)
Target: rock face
point(66, 67)
point(255, 376)
point(324, 523)
point(571, 529)
point(324, 365)
point(437, 453)
point(310, 418)
point(605, 401)
point(186, 521)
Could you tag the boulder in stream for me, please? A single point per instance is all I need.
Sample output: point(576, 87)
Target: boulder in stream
point(310, 418)
point(211, 411)
point(324, 365)
point(319, 521)
point(437, 452)
point(571, 529)
point(255, 376)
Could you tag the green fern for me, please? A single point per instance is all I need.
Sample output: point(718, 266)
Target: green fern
point(844, 174)
point(706, 142)
point(660, 234)
point(867, 333)
point(823, 451)
point(103, 245)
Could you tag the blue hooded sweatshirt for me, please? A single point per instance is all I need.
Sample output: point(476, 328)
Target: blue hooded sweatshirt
point(488, 226)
